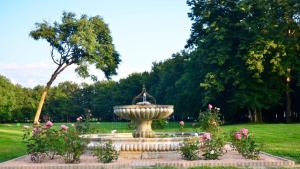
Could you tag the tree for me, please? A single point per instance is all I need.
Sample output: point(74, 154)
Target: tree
point(79, 42)
point(246, 46)
point(7, 103)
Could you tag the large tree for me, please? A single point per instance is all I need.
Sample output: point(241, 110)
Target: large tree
point(245, 46)
point(77, 41)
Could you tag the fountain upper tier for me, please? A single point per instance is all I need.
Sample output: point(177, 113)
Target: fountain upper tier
point(145, 112)
point(142, 113)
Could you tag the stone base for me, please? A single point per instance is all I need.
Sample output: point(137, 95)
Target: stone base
point(231, 158)
point(148, 155)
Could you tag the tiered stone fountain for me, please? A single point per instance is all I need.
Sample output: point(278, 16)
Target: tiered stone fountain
point(143, 142)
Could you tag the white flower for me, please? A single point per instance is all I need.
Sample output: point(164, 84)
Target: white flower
point(212, 152)
point(113, 131)
point(196, 134)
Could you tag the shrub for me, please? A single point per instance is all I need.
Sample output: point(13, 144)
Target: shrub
point(209, 120)
point(72, 145)
point(53, 143)
point(131, 125)
point(189, 150)
point(83, 125)
point(159, 123)
point(212, 147)
point(106, 153)
point(41, 141)
point(181, 126)
point(35, 141)
point(245, 144)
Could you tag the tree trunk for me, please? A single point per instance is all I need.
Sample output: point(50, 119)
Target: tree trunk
point(250, 115)
point(39, 109)
point(259, 116)
point(58, 70)
point(256, 115)
point(288, 103)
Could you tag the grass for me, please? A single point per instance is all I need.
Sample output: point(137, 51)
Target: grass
point(279, 139)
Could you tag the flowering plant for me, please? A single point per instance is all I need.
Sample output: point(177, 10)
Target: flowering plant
point(209, 120)
point(189, 149)
point(245, 144)
point(72, 145)
point(35, 141)
point(41, 141)
point(212, 147)
point(181, 125)
point(82, 124)
point(106, 153)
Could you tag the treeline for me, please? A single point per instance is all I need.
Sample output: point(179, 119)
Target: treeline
point(242, 56)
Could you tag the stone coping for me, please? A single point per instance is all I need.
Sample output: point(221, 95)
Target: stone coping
point(89, 162)
point(142, 106)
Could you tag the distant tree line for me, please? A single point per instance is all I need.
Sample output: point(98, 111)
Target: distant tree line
point(242, 56)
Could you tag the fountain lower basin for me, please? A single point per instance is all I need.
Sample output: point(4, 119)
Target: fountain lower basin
point(163, 145)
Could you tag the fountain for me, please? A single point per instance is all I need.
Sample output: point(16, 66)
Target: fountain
point(142, 113)
point(143, 142)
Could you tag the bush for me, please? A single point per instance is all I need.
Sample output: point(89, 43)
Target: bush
point(209, 120)
point(72, 145)
point(35, 141)
point(189, 150)
point(131, 125)
point(159, 123)
point(245, 144)
point(83, 125)
point(41, 141)
point(212, 147)
point(106, 153)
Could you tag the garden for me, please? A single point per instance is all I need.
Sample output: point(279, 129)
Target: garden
point(62, 141)
point(227, 99)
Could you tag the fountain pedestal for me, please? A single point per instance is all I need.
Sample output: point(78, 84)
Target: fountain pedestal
point(143, 129)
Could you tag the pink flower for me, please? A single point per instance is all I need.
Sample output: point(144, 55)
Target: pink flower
point(48, 124)
point(244, 131)
point(238, 136)
point(181, 123)
point(206, 136)
point(79, 118)
point(26, 127)
point(36, 130)
point(64, 127)
point(210, 106)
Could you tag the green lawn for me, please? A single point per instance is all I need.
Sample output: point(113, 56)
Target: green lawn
point(278, 139)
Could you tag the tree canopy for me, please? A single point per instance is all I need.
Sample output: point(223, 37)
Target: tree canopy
point(82, 42)
point(242, 56)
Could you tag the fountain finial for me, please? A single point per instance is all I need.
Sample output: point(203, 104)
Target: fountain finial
point(143, 95)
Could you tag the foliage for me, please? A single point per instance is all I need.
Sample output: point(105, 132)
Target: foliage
point(239, 56)
point(159, 123)
point(181, 126)
point(209, 120)
point(106, 153)
point(286, 136)
point(131, 125)
point(79, 42)
point(245, 144)
point(189, 149)
point(72, 145)
point(212, 147)
point(82, 125)
point(36, 143)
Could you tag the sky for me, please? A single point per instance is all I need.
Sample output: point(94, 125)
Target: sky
point(143, 31)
